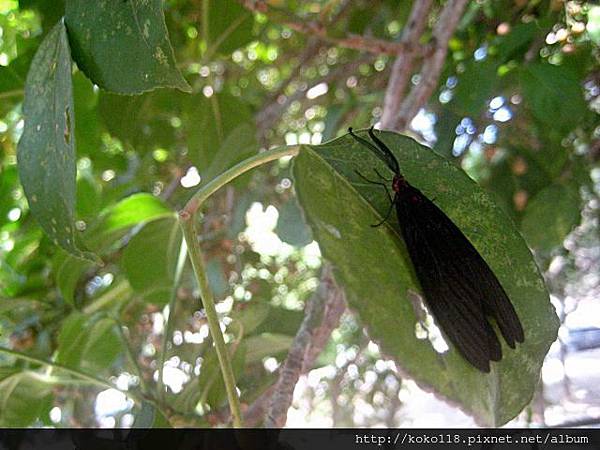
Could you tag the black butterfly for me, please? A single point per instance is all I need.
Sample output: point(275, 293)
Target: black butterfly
point(460, 289)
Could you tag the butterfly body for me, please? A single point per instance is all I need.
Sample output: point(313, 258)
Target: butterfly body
point(460, 289)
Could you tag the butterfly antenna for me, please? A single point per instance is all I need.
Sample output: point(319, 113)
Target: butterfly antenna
point(392, 162)
point(364, 142)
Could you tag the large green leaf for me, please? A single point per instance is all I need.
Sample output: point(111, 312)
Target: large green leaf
point(23, 397)
point(554, 95)
point(239, 144)
point(229, 25)
point(88, 343)
point(133, 210)
point(208, 122)
point(150, 259)
point(123, 45)
point(46, 153)
point(68, 271)
point(550, 216)
point(373, 266)
point(291, 225)
point(266, 344)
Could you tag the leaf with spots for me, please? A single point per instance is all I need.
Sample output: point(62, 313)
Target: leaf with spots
point(123, 45)
point(46, 152)
point(373, 266)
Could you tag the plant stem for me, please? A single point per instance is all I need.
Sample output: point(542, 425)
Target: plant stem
point(131, 357)
point(168, 328)
point(13, 93)
point(91, 379)
point(190, 233)
point(257, 160)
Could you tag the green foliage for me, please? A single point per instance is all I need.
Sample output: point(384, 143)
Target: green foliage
point(23, 396)
point(474, 87)
point(150, 259)
point(291, 225)
point(229, 26)
point(114, 39)
point(88, 343)
point(550, 216)
point(263, 345)
point(555, 97)
point(211, 389)
point(68, 271)
point(47, 148)
point(150, 417)
point(133, 210)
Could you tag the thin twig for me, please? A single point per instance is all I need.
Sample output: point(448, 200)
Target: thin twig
point(323, 311)
point(131, 356)
point(403, 65)
point(119, 292)
point(13, 93)
point(310, 51)
point(89, 378)
point(170, 188)
point(170, 320)
point(319, 30)
point(269, 115)
point(191, 207)
point(432, 67)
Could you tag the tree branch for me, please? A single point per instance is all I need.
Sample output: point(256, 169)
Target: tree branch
point(432, 68)
point(323, 312)
point(319, 30)
point(403, 65)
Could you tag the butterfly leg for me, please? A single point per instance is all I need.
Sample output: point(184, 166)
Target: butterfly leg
point(387, 216)
point(377, 183)
point(382, 177)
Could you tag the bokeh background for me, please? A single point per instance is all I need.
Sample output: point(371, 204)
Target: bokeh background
point(516, 106)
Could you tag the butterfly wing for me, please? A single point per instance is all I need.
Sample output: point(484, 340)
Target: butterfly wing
point(459, 287)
